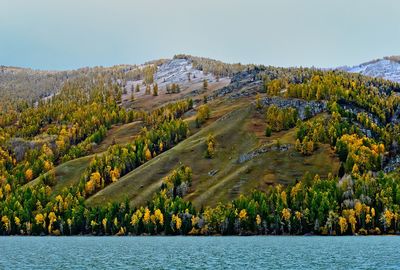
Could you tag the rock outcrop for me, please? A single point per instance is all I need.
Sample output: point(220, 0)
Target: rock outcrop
point(305, 109)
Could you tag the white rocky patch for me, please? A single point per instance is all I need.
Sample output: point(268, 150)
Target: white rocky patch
point(383, 68)
point(175, 71)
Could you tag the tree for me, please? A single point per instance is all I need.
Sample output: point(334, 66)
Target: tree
point(343, 225)
point(114, 174)
point(205, 84)
point(149, 74)
point(155, 90)
point(268, 131)
point(28, 175)
point(6, 223)
point(258, 102)
point(147, 92)
point(203, 113)
point(210, 144)
point(148, 154)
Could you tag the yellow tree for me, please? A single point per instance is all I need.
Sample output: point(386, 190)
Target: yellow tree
point(148, 154)
point(387, 219)
point(343, 225)
point(114, 174)
point(205, 84)
point(358, 207)
point(286, 215)
point(6, 223)
point(52, 218)
point(28, 175)
point(258, 220)
point(352, 219)
point(104, 223)
point(176, 222)
point(17, 221)
point(146, 216)
point(159, 216)
point(242, 215)
point(40, 220)
point(155, 90)
point(96, 178)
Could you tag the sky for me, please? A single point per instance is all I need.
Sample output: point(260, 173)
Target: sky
point(68, 34)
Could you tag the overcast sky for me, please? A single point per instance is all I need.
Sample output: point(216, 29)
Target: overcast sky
point(67, 34)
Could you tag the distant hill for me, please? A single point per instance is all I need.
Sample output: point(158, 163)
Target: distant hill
point(32, 85)
point(386, 68)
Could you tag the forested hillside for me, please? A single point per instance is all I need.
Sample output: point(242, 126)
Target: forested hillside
point(196, 146)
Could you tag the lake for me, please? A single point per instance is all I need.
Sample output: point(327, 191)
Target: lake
point(255, 252)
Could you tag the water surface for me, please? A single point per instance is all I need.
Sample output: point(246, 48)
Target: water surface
point(381, 252)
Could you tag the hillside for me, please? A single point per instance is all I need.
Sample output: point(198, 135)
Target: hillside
point(233, 171)
point(130, 144)
point(387, 68)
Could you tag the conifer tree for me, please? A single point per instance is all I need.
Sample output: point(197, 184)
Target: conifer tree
point(205, 84)
point(155, 90)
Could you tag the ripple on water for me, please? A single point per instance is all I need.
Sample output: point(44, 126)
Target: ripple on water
point(200, 252)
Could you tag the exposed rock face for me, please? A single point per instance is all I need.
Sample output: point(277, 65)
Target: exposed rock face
point(178, 71)
point(356, 110)
point(212, 172)
point(396, 117)
point(20, 146)
point(195, 93)
point(245, 83)
point(305, 109)
point(392, 164)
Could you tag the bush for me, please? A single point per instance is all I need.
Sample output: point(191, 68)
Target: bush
point(268, 131)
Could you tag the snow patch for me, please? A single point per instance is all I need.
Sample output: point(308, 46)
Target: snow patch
point(383, 68)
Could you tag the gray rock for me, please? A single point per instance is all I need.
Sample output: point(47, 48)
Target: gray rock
point(264, 149)
point(212, 172)
point(314, 107)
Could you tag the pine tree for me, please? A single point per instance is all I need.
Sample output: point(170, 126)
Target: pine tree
point(205, 84)
point(155, 90)
point(148, 89)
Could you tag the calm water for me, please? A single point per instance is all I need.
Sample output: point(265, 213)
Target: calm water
point(200, 252)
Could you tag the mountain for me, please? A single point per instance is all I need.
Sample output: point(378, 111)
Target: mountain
point(387, 68)
point(192, 145)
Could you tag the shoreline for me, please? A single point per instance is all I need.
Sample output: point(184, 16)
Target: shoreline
point(194, 236)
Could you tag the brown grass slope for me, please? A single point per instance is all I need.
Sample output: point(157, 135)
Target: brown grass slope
point(237, 132)
point(69, 173)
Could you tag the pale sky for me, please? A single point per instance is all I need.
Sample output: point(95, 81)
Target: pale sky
point(68, 34)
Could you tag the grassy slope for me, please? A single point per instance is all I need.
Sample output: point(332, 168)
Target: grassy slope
point(69, 173)
point(237, 132)
point(140, 184)
point(121, 134)
point(238, 129)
